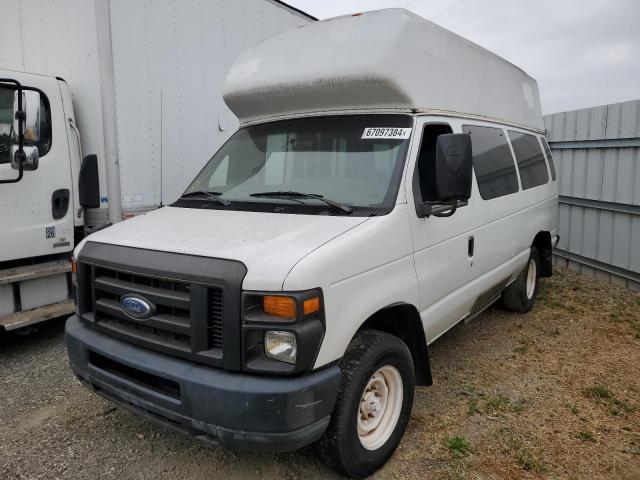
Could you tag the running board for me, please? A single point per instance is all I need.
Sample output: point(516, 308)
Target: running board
point(26, 318)
point(485, 300)
point(20, 274)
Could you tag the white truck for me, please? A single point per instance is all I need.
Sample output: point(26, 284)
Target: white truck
point(133, 87)
point(389, 179)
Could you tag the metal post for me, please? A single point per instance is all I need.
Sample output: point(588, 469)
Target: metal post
point(108, 95)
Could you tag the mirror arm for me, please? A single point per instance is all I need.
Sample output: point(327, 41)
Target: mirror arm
point(20, 116)
point(440, 209)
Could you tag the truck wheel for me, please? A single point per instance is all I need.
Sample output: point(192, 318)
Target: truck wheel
point(373, 405)
point(521, 293)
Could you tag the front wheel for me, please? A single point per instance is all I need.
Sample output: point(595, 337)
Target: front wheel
point(520, 295)
point(373, 406)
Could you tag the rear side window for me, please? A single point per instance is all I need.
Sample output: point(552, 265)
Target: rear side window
point(547, 150)
point(531, 164)
point(492, 162)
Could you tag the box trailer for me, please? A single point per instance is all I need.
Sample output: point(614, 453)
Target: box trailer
point(123, 104)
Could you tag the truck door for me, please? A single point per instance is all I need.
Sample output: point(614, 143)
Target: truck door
point(36, 213)
point(444, 248)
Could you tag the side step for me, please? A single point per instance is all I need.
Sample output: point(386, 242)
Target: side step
point(485, 300)
point(36, 315)
point(39, 270)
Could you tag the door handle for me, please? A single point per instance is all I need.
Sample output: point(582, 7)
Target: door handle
point(471, 246)
point(60, 203)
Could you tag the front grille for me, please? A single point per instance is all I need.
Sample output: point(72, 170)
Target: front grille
point(196, 301)
point(215, 312)
point(168, 327)
point(178, 326)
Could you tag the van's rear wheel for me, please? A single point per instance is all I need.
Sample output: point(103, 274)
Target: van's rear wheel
point(520, 295)
point(374, 404)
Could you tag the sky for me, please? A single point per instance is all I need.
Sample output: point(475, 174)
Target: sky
point(583, 53)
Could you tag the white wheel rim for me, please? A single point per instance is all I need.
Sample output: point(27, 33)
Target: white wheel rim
point(380, 406)
point(531, 279)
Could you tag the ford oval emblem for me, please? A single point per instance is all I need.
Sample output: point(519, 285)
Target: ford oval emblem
point(137, 306)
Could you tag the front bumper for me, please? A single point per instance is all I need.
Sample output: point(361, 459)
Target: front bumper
point(238, 410)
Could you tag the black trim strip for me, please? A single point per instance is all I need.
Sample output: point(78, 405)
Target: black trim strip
point(296, 10)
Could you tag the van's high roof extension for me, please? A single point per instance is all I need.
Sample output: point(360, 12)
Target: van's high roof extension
point(390, 60)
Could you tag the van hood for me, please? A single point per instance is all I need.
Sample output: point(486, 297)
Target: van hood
point(268, 244)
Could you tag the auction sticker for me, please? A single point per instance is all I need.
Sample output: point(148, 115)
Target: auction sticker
point(386, 133)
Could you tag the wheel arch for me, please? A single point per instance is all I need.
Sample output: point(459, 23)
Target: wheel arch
point(403, 321)
point(543, 244)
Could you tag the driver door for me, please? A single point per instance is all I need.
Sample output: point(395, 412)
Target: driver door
point(36, 213)
point(444, 248)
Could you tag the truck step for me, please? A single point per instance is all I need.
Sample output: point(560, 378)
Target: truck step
point(36, 315)
point(19, 274)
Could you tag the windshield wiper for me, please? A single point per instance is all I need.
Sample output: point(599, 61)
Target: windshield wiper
point(293, 194)
point(210, 195)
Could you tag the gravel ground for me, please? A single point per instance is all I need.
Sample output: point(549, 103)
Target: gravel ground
point(551, 394)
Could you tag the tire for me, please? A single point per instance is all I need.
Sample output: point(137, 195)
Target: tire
point(520, 295)
point(374, 360)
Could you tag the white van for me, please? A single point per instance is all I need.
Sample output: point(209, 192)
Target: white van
point(389, 179)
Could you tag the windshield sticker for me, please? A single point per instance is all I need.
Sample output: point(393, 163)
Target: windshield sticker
point(383, 132)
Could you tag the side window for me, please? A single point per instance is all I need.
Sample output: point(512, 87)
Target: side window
point(425, 164)
point(38, 131)
point(547, 151)
point(492, 162)
point(533, 169)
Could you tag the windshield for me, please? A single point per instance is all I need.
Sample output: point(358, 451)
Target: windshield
point(354, 161)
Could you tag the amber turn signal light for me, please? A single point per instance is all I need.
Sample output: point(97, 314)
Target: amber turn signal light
point(74, 266)
point(279, 306)
point(312, 305)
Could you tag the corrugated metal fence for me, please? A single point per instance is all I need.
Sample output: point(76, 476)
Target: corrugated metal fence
point(597, 155)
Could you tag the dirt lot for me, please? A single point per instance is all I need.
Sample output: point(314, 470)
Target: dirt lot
point(551, 394)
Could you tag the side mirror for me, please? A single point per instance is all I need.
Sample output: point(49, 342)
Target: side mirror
point(30, 118)
point(29, 157)
point(88, 184)
point(452, 175)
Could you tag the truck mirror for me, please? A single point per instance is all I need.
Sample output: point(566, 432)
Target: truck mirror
point(88, 184)
point(30, 118)
point(453, 166)
point(29, 157)
point(452, 171)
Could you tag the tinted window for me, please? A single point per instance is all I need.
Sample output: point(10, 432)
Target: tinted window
point(427, 160)
point(39, 137)
point(492, 162)
point(547, 150)
point(533, 168)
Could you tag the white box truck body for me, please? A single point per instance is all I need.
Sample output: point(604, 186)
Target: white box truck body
point(137, 84)
point(389, 179)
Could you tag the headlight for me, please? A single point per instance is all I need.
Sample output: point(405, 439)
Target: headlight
point(281, 331)
point(281, 346)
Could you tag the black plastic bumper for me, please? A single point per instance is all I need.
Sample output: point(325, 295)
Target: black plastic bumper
point(237, 410)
